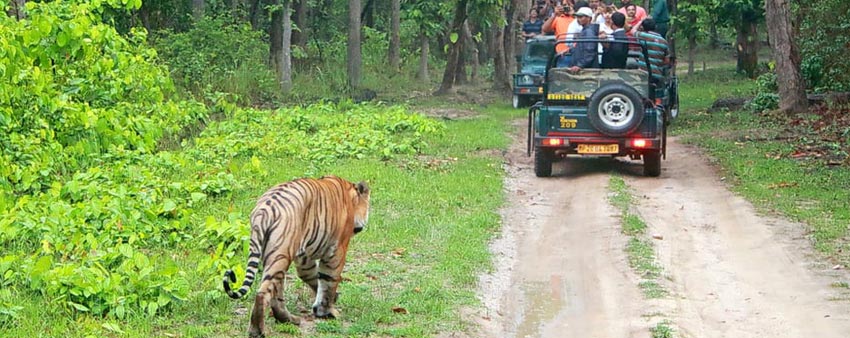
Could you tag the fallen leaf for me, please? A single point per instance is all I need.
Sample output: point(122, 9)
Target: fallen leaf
point(782, 185)
point(417, 289)
point(400, 310)
point(398, 252)
point(658, 236)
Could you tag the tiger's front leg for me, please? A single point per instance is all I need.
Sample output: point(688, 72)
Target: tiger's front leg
point(308, 271)
point(326, 294)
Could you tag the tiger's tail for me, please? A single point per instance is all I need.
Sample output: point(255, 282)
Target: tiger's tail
point(253, 262)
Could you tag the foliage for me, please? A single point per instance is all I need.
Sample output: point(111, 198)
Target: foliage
point(73, 89)
point(216, 55)
point(319, 133)
point(85, 237)
point(766, 93)
point(823, 44)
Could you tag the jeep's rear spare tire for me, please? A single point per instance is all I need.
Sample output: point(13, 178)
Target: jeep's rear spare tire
point(616, 109)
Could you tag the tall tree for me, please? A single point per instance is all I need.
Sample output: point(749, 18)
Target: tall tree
point(299, 37)
point(17, 9)
point(354, 60)
point(673, 8)
point(280, 33)
point(394, 52)
point(456, 33)
point(424, 48)
point(429, 17)
point(198, 9)
point(747, 43)
point(792, 86)
point(500, 63)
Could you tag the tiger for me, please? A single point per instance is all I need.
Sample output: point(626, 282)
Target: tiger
point(303, 221)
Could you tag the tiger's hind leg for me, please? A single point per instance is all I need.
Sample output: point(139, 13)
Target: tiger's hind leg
point(270, 290)
point(279, 310)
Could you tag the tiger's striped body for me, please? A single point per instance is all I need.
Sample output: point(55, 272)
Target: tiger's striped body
point(308, 222)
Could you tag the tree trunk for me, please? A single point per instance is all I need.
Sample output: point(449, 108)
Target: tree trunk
point(747, 44)
point(460, 76)
point(500, 65)
point(692, 51)
point(471, 52)
point(454, 52)
point(354, 56)
point(255, 14)
point(286, 64)
point(198, 9)
point(792, 86)
point(520, 9)
point(423, 58)
point(395, 40)
point(367, 16)
point(279, 49)
point(299, 37)
point(17, 9)
point(714, 39)
point(673, 8)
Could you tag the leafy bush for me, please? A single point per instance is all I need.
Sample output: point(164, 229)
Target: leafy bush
point(219, 56)
point(73, 88)
point(824, 42)
point(766, 93)
point(321, 132)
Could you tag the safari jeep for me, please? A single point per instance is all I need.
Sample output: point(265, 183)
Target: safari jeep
point(601, 112)
point(528, 83)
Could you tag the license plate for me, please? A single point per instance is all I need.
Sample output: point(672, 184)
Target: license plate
point(598, 148)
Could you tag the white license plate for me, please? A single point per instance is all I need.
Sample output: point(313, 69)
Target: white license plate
point(598, 148)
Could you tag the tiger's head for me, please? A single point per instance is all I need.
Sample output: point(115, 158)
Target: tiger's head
point(361, 206)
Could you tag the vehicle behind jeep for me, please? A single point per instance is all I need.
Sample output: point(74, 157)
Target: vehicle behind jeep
point(528, 83)
point(602, 112)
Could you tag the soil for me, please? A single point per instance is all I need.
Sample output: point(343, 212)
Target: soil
point(561, 269)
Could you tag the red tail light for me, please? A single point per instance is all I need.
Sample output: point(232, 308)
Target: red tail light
point(553, 141)
point(639, 143)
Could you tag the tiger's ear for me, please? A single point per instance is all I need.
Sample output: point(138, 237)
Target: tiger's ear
point(362, 188)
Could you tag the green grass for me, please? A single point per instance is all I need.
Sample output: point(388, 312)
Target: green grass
point(757, 158)
point(641, 254)
point(432, 217)
point(662, 330)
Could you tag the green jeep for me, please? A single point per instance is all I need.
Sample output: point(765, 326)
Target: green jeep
point(602, 112)
point(528, 83)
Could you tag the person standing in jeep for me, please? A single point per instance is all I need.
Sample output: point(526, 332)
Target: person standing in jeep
point(533, 26)
point(584, 53)
point(559, 23)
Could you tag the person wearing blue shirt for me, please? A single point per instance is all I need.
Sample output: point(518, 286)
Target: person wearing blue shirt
point(585, 53)
point(533, 26)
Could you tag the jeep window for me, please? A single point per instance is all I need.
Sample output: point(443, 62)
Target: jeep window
point(539, 51)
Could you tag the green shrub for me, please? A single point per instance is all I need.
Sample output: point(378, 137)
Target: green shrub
point(73, 89)
point(216, 55)
point(766, 93)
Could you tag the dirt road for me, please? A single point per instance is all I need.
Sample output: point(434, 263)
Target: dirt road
point(561, 268)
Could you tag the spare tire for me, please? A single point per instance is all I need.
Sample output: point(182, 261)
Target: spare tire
point(616, 109)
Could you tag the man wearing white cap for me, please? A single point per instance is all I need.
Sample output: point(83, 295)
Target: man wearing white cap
point(584, 53)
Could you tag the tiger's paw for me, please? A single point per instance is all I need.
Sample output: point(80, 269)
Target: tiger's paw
point(325, 313)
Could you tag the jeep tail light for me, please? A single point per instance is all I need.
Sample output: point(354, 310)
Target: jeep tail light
point(553, 141)
point(639, 143)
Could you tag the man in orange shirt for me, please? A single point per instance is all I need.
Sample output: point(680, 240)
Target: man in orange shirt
point(634, 18)
point(559, 23)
